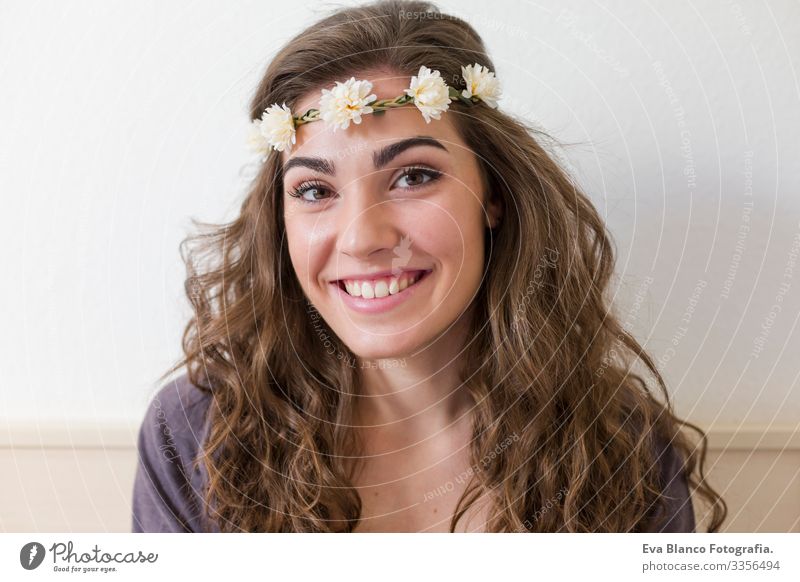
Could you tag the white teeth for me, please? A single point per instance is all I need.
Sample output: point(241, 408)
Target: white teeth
point(353, 288)
point(381, 287)
point(366, 290)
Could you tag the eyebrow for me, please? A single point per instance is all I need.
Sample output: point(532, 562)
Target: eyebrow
point(379, 158)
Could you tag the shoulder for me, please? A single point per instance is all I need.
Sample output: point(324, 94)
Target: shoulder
point(179, 409)
point(168, 487)
point(673, 511)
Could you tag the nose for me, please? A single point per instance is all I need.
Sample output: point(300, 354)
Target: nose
point(367, 224)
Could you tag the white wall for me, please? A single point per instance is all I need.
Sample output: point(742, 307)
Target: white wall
point(121, 120)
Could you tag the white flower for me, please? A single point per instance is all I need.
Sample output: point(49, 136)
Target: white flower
point(481, 83)
point(346, 102)
point(256, 141)
point(275, 129)
point(430, 93)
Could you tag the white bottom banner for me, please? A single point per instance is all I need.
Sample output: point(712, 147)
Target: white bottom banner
point(393, 556)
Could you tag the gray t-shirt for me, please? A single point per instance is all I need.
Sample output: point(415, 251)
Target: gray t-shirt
point(168, 493)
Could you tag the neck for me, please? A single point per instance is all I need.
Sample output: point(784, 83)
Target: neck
point(418, 395)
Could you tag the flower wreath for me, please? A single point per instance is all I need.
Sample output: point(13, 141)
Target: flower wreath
point(348, 101)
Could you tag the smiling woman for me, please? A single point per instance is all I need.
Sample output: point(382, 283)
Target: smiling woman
point(407, 326)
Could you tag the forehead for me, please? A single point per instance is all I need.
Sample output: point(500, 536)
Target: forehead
point(374, 131)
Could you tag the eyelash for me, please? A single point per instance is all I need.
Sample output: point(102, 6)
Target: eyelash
point(316, 185)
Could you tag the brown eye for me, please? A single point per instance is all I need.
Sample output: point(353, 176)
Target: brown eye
point(316, 193)
point(310, 192)
point(415, 177)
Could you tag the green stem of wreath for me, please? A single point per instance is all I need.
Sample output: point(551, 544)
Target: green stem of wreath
point(456, 95)
point(381, 106)
point(310, 115)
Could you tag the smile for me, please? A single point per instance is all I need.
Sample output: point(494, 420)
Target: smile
point(380, 294)
point(381, 286)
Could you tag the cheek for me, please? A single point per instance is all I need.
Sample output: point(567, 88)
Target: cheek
point(305, 243)
point(451, 232)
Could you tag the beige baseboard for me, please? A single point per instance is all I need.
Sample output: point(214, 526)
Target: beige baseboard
point(83, 435)
point(78, 435)
point(750, 438)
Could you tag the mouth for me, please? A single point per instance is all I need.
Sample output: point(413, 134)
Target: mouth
point(382, 287)
point(380, 294)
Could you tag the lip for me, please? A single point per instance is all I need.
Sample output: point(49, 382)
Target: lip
point(382, 304)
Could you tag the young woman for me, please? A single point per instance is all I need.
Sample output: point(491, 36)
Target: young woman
point(407, 326)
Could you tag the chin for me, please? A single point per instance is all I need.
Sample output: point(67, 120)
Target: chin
point(383, 347)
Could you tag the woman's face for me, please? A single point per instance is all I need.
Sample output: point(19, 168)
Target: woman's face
point(393, 210)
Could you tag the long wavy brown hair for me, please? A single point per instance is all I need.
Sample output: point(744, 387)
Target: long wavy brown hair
point(548, 362)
